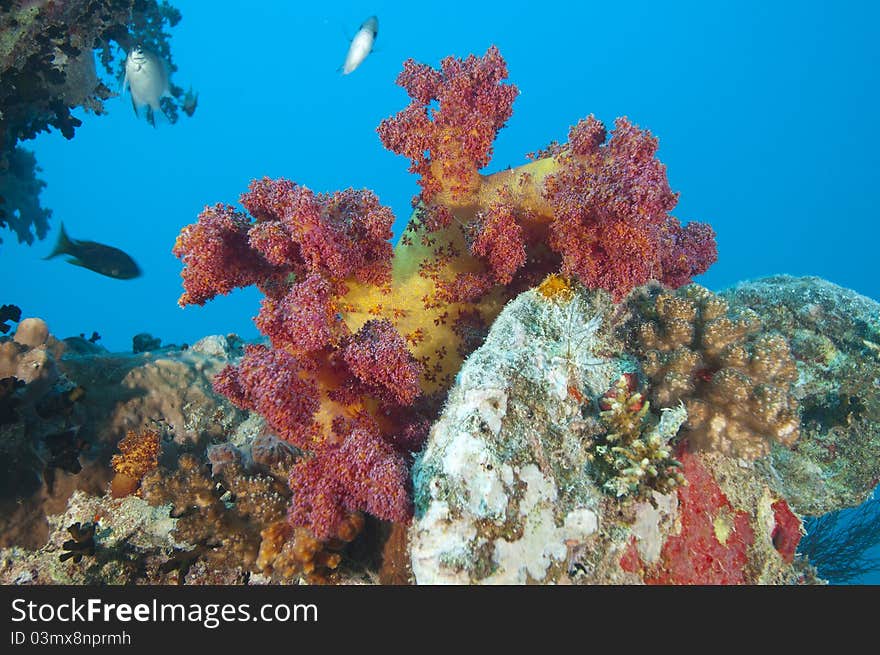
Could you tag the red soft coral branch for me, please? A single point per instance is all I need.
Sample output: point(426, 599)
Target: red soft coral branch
point(340, 235)
point(379, 358)
point(610, 206)
point(364, 473)
point(685, 251)
point(216, 255)
point(447, 146)
point(501, 242)
point(268, 382)
point(302, 320)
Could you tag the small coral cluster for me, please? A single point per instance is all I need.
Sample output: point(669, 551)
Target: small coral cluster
point(733, 377)
point(365, 340)
point(138, 455)
point(30, 356)
point(634, 457)
point(222, 521)
point(287, 552)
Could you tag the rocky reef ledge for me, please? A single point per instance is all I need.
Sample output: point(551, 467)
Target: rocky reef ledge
point(673, 437)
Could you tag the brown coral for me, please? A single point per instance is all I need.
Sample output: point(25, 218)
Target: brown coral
point(287, 551)
point(138, 455)
point(222, 517)
point(30, 356)
point(733, 377)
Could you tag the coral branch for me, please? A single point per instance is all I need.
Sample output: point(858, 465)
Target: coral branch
point(363, 473)
point(216, 255)
point(449, 145)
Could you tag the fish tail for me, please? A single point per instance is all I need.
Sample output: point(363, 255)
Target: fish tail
point(63, 246)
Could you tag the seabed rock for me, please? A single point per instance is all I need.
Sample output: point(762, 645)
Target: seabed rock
point(505, 491)
point(835, 339)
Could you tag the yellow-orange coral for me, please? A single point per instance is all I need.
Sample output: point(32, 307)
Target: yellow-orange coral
point(139, 454)
point(733, 378)
point(287, 551)
point(556, 287)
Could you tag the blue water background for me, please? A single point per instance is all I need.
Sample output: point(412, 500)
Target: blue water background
point(766, 114)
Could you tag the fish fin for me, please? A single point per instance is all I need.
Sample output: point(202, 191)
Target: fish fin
point(135, 107)
point(157, 114)
point(63, 246)
point(76, 262)
point(124, 82)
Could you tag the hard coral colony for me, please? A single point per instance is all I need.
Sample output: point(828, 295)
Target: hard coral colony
point(364, 338)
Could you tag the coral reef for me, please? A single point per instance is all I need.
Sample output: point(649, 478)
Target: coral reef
point(834, 335)
point(512, 485)
point(66, 405)
point(118, 542)
point(509, 490)
point(47, 68)
point(733, 377)
point(365, 340)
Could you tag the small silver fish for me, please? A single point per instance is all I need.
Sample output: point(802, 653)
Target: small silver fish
point(146, 77)
point(361, 44)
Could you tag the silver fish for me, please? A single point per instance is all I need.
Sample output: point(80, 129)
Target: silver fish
point(361, 44)
point(146, 77)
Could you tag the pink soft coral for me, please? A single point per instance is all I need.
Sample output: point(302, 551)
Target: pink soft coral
point(363, 473)
point(447, 146)
point(610, 205)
